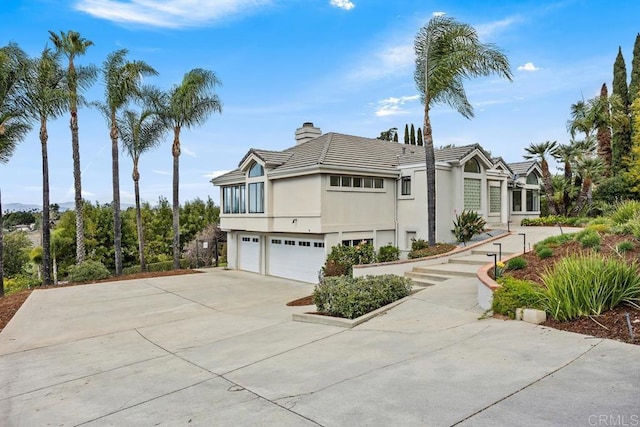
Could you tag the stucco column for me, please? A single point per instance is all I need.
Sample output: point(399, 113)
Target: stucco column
point(504, 195)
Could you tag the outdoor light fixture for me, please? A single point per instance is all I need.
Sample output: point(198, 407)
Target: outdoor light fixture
point(524, 242)
point(495, 265)
point(499, 250)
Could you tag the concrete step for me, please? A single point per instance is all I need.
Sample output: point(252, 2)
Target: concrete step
point(426, 276)
point(491, 251)
point(455, 270)
point(473, 259)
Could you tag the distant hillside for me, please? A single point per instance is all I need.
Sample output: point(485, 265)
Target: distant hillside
point(66, 206)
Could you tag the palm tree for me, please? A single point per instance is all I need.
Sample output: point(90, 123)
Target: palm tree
point(46, 97)
point(71, 45)
point(13, 122)
point(140, 133)
point(566, 154)
point(589, 169)
point(122, 80)
point(447, 52)
point(540, 152)
point(184, 106)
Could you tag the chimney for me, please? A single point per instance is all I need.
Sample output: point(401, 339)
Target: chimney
point(306, 133)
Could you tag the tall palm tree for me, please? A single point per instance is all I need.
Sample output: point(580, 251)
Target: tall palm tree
point(566, 154)
point(122, 80)
point(540, 152)
point(46, 97)
point(13, 122)
point(140, 132)
point(71, 44)
point(590, 170)
point(447, 52)
point(184, 106)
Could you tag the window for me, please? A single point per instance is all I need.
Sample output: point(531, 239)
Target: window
point(234, 199)
point(290, 242)
point(533, 201)
point(255, 240)
point(356, 242)
point(346, 181)
point(335, 181)
point(378, 183)
point(318, 244)
point(276, 241)
point(533, 179)
point(256, 197)
point(495, 200)
point(516, 203)
point(472, 192)
point(256, 170)
point(472, 166)
point(368, 183)
point(303, 243)
point(406, 186)
point(356, 182)
point(246, 239)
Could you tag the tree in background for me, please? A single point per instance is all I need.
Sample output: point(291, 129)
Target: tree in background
point(447, 52)
point(634, 85)
point(566, 154)
point(186, 105)
point(602, 122)
point(140, 132)
point(17, 247)
point(389, 135)
point(13, 122)
point(621, 140)
point(540, 152)
point(590, 170)
point(122, 80)
point(633, 173)
point(419, 141)
point(71, 45)
point(406, 134)
point(412, 135)
point(45, 97)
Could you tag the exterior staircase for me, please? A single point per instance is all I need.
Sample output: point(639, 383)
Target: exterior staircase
point(464, 266)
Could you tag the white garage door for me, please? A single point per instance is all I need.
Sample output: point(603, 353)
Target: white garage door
point(295, 258)
point(249, 254)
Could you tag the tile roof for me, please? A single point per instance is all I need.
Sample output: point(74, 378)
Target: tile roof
point(522, 168)
point(347, 151)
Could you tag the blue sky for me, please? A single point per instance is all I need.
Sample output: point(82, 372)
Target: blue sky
point(345, 65)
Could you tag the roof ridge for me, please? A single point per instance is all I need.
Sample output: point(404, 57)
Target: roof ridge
point(325, 149)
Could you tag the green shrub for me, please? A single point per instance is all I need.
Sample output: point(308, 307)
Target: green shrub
point(589, 238)
point(343, 258)
point(626, 211)
point(625, 246)
point(87, 271)
point(544, 252)
point(515, 293)
point(388, 253)
point(166, 265)
point(468, 224)
point(517, 263)
point(19, 283)
point(440, 248)
point(349, 297)
point(588, 285)
point(554, 220)
point(417, 244)
point(555, 241)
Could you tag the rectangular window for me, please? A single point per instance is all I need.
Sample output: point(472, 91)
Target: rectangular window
point(495, 200)
point(472, 192)
point(516, 203)
point(302, 243)
point(290, 242)
point(318, 244)
point(406, 186)
point(334, 181)
point(346, 181)
point(533, 201)
point(255, 240)
point(233, 199)
point(276, 241)
point(246, 239)
point(357, 182)
point(378, 183)
point(256, 197)
point(368, 183)
point(356, 242)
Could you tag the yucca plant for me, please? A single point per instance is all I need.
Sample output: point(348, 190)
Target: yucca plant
point(468, 224)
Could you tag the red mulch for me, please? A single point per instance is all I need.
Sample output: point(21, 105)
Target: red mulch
point(10, 304)
point(308, 300)
point(611, 324)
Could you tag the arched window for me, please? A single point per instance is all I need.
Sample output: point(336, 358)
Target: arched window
point(256, 170)
point(533, 179)
point(472, 166)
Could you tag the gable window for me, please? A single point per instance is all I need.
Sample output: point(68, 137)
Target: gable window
point(406, 186)
point(233, 199)
point(256, 197)
point(256, 170)
point(533, 179)
point(472, 166)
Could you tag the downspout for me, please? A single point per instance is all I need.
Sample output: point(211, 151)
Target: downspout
point(395, 211)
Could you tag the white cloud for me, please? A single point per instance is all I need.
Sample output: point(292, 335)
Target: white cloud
point(389, 61)
point(394, 106)
point(166, 13)
point(528, 67)
point(215, 174)
point(342, 4)
point(438, 14)
point(491, 28)
point(186, 151)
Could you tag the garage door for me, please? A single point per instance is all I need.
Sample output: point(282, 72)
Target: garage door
point(249, 256)
point(295, 258)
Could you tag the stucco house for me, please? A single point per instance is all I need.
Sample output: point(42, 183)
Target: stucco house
point(284, 210)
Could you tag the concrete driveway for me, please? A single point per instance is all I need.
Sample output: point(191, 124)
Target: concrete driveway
point(219, 348)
